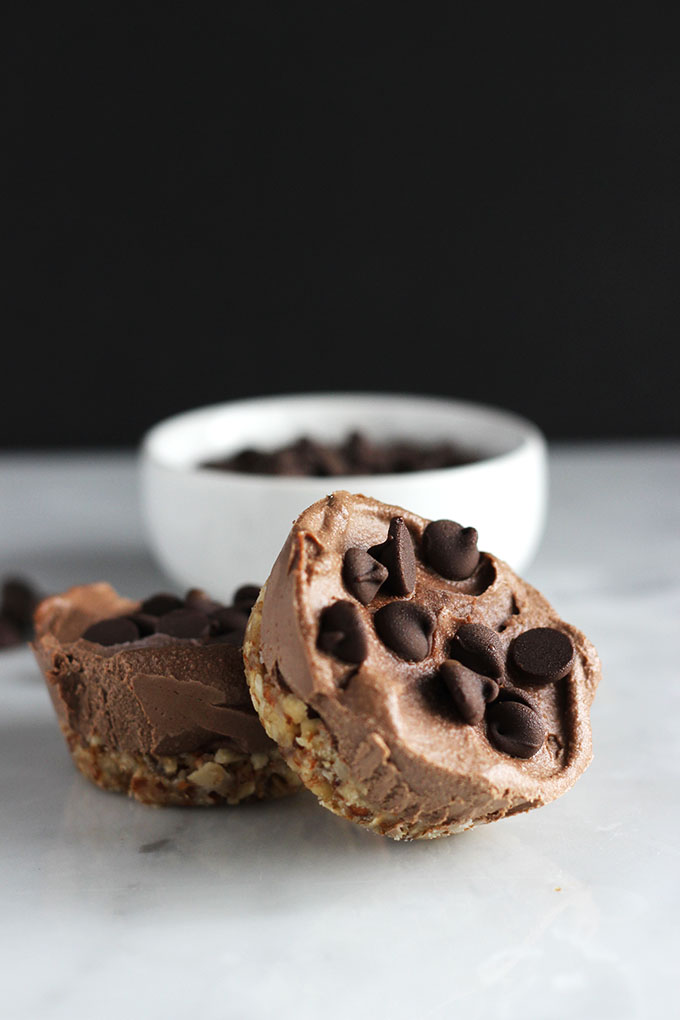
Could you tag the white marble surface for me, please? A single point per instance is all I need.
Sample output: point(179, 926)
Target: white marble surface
point(111, 909)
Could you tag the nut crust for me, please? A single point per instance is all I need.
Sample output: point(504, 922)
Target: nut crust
point(205, 779)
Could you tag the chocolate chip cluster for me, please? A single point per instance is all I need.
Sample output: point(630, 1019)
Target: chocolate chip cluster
point(356, 455)
point(478, 674)
point(479, 677)
point(195, 616)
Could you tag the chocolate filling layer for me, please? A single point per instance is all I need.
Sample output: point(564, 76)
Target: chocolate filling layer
point(159, 694)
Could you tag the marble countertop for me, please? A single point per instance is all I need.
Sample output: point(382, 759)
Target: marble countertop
point(112, 909)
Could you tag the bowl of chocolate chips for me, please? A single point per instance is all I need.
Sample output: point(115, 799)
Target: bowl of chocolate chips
point(221, 485)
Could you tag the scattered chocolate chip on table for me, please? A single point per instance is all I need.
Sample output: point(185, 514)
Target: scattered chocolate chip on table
point(17, 604)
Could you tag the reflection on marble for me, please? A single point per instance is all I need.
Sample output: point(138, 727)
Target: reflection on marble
point(114, 909)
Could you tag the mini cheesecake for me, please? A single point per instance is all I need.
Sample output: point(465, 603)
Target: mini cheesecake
point(151, 696)
point(417, 685)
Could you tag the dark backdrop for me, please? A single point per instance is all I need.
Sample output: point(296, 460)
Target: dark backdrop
point(217, 200)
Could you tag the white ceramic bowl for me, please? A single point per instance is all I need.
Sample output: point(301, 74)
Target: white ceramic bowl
point(219, 529)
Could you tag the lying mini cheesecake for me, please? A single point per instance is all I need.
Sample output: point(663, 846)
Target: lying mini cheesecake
point(151, 696)
point(417, 686)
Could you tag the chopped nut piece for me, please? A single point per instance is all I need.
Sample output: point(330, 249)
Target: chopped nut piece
point(210, 776)
point(226, 757)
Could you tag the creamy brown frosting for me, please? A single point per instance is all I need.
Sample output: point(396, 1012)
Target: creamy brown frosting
point(159, 695)
point(393, 726)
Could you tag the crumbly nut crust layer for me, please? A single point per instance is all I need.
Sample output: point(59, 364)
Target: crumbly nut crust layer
point(307, 747)
point(220, 777)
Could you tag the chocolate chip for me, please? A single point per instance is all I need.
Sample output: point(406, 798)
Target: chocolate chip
point(406, 628)
point(363, 575)
point(365, 457)
point(199, 600)
point(249, 461)
point(479, 648)
point(341, 632)
point(450, 549)
point(159, 605)
point(288, 462)
point(542, 654)
point(228, 619)
point(469, 691)
point(184, 623)
point(145, 623)
point(117, 631)
point(356, 455)
point(515, 729)
point(10, 635)
point(397, 554)
point(329, 462)
point(246, 596)
point(232, 637)
point(18, 602)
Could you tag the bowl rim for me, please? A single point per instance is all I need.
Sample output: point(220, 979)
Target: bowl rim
point(529, 437)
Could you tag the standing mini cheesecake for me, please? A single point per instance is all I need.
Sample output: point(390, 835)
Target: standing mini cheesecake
point(418, 686)
point(151, 697)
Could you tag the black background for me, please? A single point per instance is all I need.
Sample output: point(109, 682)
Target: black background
point(216, 201)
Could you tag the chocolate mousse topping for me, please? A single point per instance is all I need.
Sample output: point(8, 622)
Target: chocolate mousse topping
point(454, 663)
point(163, 676)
